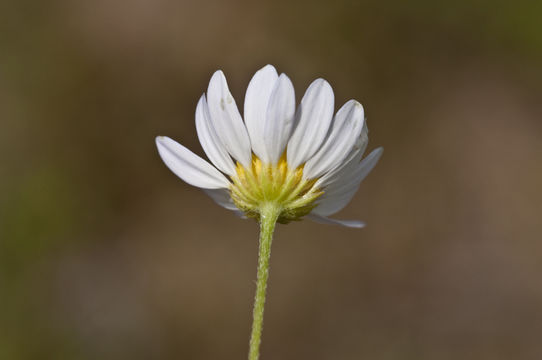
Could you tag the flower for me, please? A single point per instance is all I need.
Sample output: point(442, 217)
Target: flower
point(307, 162)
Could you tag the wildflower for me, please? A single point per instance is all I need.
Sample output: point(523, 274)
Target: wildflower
point(305, 162)
point(280, 164)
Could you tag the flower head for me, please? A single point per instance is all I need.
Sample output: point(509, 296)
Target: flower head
point(307, 162)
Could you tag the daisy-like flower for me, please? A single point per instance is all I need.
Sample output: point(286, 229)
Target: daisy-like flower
point(303, 162)
point(280, 164)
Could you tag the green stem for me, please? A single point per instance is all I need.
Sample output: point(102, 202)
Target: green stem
point(269, 214)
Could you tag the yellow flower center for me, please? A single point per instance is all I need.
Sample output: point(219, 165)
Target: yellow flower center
point(263, 184)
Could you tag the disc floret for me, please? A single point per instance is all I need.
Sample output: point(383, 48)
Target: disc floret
point(262, 184)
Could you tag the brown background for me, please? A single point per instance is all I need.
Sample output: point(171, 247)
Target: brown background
point(105, 254)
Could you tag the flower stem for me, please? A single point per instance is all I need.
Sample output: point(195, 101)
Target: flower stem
point(269, 214)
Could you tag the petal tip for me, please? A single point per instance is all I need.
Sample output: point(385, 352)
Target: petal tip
point(218, 72)
point(217, 78)
point(358, 105)
point(347, 223)
point(268, 67)
point(321, 82)
point(159, 140)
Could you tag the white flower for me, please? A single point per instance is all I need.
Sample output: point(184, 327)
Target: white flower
point(308, 162)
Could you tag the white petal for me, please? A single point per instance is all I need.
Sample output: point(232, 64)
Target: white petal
point(211, 143)
point(363, 140)
point(349, 163)
point(347, 223)
point(331, 204)
point(240, 214)
point(279, 119)
point(221, 197)
point(256, 103)
point(226, 119)
point(345, 130)
point(188, 166)
point(339, 193)
point(348, 166)
point(363, 169)
point(313, 119)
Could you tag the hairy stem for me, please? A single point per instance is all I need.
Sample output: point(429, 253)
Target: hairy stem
point(269, 214)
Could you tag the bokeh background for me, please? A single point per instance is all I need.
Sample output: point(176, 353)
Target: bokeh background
point(105, 254)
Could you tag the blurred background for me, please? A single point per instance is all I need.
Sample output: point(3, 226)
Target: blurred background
point(105, 254)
